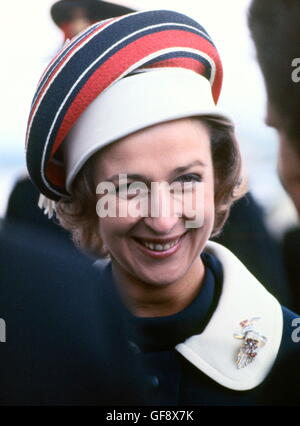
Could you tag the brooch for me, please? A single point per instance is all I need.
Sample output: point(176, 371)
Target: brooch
point(252, 341)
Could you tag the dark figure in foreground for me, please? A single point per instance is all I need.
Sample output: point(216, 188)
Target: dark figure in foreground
point(65, 340)
point(274, 26)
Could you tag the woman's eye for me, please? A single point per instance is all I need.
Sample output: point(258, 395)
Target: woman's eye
point(186, 183)
point(131, 190)
point(189, 178)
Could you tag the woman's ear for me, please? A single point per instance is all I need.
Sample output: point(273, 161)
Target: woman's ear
point(241, 187)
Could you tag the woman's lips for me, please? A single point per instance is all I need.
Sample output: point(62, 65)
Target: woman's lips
point(160, 254)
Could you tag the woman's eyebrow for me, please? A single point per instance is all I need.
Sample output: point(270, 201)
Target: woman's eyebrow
point(132, 176)
point(138, 177)
point(182, 169)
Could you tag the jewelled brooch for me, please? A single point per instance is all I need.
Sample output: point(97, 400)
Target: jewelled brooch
point(252, 342)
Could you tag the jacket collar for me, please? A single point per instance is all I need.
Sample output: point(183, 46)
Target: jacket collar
point(214, 351)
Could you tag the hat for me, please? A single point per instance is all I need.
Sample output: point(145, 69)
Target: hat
point(117, 77)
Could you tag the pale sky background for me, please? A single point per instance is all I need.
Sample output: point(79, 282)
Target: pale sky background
point(30, 39)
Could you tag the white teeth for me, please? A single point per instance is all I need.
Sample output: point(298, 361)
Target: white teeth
point(160, 247)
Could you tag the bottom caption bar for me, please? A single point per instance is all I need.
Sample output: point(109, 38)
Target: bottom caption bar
point(136, 415)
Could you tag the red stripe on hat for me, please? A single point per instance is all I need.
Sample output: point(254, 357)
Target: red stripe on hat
point(117, 65)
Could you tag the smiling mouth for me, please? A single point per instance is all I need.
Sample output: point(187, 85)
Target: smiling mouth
point(159, 246)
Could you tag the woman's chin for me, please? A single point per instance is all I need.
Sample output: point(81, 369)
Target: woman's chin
point(160, 279)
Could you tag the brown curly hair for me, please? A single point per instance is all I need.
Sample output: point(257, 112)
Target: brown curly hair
point(78, 214)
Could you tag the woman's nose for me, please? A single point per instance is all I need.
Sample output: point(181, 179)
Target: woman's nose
point(163, 213)
point(161, 225)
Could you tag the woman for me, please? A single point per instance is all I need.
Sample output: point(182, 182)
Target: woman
point(123, 124)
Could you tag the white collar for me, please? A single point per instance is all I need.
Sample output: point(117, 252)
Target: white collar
point(243, 297)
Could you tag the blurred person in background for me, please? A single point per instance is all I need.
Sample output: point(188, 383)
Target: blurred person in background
point(245, 233)
point(73, 16)
point(22, 209)
point(274, 25)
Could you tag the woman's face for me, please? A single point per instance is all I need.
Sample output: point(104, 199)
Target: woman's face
point(159, 250)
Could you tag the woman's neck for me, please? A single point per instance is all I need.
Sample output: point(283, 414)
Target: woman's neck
point(149, 300)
